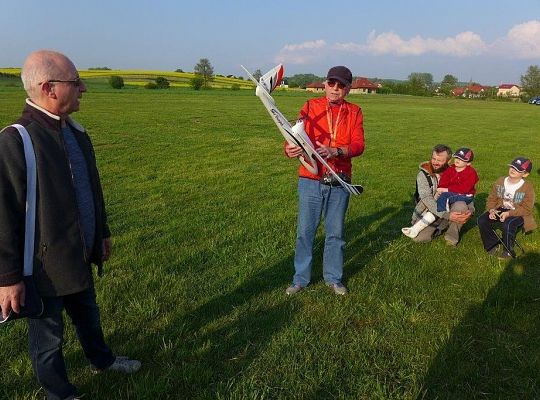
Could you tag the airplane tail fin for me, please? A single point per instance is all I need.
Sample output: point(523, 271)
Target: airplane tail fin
point(270, 80)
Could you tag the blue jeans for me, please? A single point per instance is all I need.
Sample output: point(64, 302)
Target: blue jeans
point(46, 336)
point(316, 199)
point(446, 199)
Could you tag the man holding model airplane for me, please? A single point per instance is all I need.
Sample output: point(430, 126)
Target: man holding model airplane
point(336, 127)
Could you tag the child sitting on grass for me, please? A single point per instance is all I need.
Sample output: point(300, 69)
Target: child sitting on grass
point(457, 183)
point(510, 203)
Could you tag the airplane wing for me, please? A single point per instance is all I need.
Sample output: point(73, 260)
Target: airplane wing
point(299, 132)
point(267, 84)
point(295, 136)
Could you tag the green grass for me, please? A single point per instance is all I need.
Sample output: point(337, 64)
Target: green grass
point(202, 204)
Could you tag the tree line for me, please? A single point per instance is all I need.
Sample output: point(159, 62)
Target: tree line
point(422, 84)
point(417, 83)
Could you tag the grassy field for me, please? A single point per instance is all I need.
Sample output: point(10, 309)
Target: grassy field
point(202, 206)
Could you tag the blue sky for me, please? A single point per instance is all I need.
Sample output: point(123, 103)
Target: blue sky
point(490, 42)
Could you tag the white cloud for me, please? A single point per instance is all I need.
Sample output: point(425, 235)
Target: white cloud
point(522, 41)
point(316, 44)
point(300, 53)
point(463, 44)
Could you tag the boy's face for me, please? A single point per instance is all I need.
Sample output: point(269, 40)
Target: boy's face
point(460, 163)
point(512, 173)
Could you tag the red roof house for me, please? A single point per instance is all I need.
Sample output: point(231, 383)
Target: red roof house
point(315, 87)
point(508, 90)
point(364, 86)
point(470, 91)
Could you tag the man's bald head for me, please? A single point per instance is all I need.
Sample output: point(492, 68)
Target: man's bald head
point(41, 66)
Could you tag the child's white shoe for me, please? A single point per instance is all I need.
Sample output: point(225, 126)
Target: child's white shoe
point(410, 232)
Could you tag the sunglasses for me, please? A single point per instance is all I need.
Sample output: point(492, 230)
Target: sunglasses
point(332, 83)
point(76, 82)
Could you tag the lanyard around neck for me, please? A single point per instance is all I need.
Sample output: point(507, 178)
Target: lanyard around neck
point(329, 118)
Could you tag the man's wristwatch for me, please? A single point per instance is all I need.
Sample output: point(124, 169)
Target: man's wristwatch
point(339, 152)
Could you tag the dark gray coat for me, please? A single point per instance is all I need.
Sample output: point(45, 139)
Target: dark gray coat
point(60, 264)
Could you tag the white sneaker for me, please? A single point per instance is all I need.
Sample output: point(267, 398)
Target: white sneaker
point(121, 364)
point(409, 232)
point(293, 289)
point(338, 288)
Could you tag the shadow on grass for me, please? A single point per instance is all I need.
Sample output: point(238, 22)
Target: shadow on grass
point(494, 352)
point(479, 207)
point(223, 353)
point(211, 348)
point(373, 236)
point(196, 353)
point(479, 204)
point(366, 237)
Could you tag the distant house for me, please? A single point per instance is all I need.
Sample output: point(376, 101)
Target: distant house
point(508, 90)
point(315, 87)
point(476, 90)
point(470, 91)
point(364, 86)
point(459, 91)
point(359, 85)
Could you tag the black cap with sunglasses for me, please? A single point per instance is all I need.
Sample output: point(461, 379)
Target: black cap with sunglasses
point(341, 74)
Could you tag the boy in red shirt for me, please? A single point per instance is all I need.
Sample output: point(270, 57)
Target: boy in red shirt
point(457, 183)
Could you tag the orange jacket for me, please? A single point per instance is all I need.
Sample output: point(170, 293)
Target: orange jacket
point(349, 133)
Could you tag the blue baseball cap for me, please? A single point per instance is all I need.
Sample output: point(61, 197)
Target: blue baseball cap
point(464, 154)
point(521, 164)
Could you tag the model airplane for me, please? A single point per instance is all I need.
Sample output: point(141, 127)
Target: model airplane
point(294, 135)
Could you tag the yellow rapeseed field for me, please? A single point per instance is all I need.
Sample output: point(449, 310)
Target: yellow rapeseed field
point(141, 77)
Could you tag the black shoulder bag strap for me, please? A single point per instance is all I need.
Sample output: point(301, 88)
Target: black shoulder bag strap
point(430, 183)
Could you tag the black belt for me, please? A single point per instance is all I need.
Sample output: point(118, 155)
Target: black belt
point(330, 180)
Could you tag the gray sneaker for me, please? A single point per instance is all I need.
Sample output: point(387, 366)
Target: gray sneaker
point(121, 364)
point(504, 255)
point(293, 289)
point(451, 244)
point(338, 288)
point(494, 251)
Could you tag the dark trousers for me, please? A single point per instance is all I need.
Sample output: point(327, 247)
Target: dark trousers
point(46, 337)
point(510, 226)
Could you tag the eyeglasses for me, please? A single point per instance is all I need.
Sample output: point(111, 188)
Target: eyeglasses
point(76, 82)
point(333, 83)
